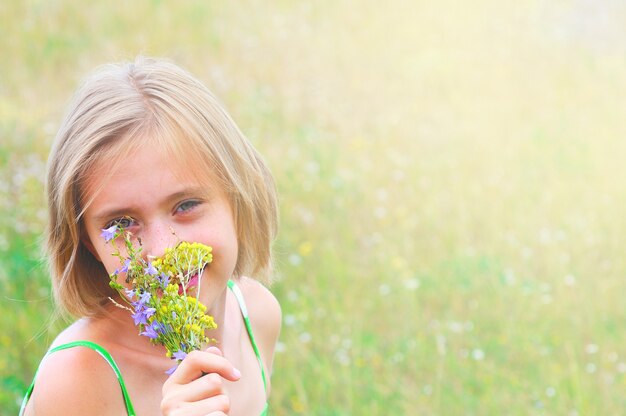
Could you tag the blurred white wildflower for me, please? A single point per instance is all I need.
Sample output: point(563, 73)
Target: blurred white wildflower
point(569, 280)
point(509, 277)
point(295, 259)
point(478, 354)
point(381, 194)
point(546, 299)
point(289, 320)
point(384, 289)
point(343, 357)
point(380, 212)
point(455, 327)
point(412, 284)
point(591, 368)
point(527, 253)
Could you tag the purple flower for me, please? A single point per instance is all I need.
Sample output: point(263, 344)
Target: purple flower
point(163, 329)
point(150, 331)
point(141, 315)
point(109, 233)
point(130, 293)
point(139, 318)
point(144, 298)
point(151, 270)
point(179, 355)
point(124, 268)
point(164, 280)
point(171, 370)
point(149, 312)
point(159, 327)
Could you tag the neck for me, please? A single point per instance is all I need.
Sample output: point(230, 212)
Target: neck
point(217, 310)
point(124, 332)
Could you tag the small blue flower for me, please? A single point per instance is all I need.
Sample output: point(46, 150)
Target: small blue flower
point(151, 270)
point(124, 268)
point(164, 280)
point(139, 318)
point(150, 332)
point(141, 315)
point(179, 355)
point(149, 312)
point(109, 233)
point(159, 327)
point(171, 370)
point(144, 297)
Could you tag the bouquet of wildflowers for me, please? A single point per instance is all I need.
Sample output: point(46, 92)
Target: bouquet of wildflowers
point(159, 296)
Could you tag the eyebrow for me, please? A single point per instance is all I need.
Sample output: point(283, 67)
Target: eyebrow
point(185, 193)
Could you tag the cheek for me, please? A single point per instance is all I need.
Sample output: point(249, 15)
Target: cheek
point(225, 246)
point(104, 252)
point(225, 249)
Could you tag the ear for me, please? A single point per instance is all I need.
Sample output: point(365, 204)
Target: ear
point(84, 238)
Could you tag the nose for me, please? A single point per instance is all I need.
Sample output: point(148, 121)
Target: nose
point(156, 237)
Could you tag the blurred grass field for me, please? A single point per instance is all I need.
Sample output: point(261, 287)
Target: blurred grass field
point(451, 178)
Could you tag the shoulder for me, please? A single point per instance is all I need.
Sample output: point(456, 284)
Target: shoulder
point(265, 315)
point(76, 381)
point(263, 307)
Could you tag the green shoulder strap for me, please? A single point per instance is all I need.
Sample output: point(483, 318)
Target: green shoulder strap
point(246, 319)
point(104, 353)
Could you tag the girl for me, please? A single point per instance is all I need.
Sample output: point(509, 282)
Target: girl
point(146, 147)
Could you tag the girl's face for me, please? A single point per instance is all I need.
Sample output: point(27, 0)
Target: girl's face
point(153, 198)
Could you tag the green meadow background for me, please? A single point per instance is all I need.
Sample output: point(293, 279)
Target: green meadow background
point(452, 181)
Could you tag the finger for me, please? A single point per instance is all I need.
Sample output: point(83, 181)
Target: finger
point(216, 405)
point(198, 363)
point(215, 350)
point(202, 388)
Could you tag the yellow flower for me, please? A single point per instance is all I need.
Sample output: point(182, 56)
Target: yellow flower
point(305, 248)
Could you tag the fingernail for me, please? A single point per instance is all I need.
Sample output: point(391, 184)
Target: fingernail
point(214, 350)
point(236, 373)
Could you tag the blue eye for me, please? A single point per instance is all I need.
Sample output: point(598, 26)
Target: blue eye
point(123, 222)
point(187, 205)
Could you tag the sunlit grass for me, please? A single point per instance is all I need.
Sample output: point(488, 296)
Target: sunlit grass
point(450, 179)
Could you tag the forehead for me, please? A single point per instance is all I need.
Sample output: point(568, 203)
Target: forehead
point(145, 165)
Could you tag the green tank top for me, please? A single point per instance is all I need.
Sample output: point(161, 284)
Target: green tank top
point(105, 354)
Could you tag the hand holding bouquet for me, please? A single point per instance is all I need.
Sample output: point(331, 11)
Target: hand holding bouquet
point(159, 295)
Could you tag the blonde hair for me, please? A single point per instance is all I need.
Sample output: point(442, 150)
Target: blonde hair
point(118, 109)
